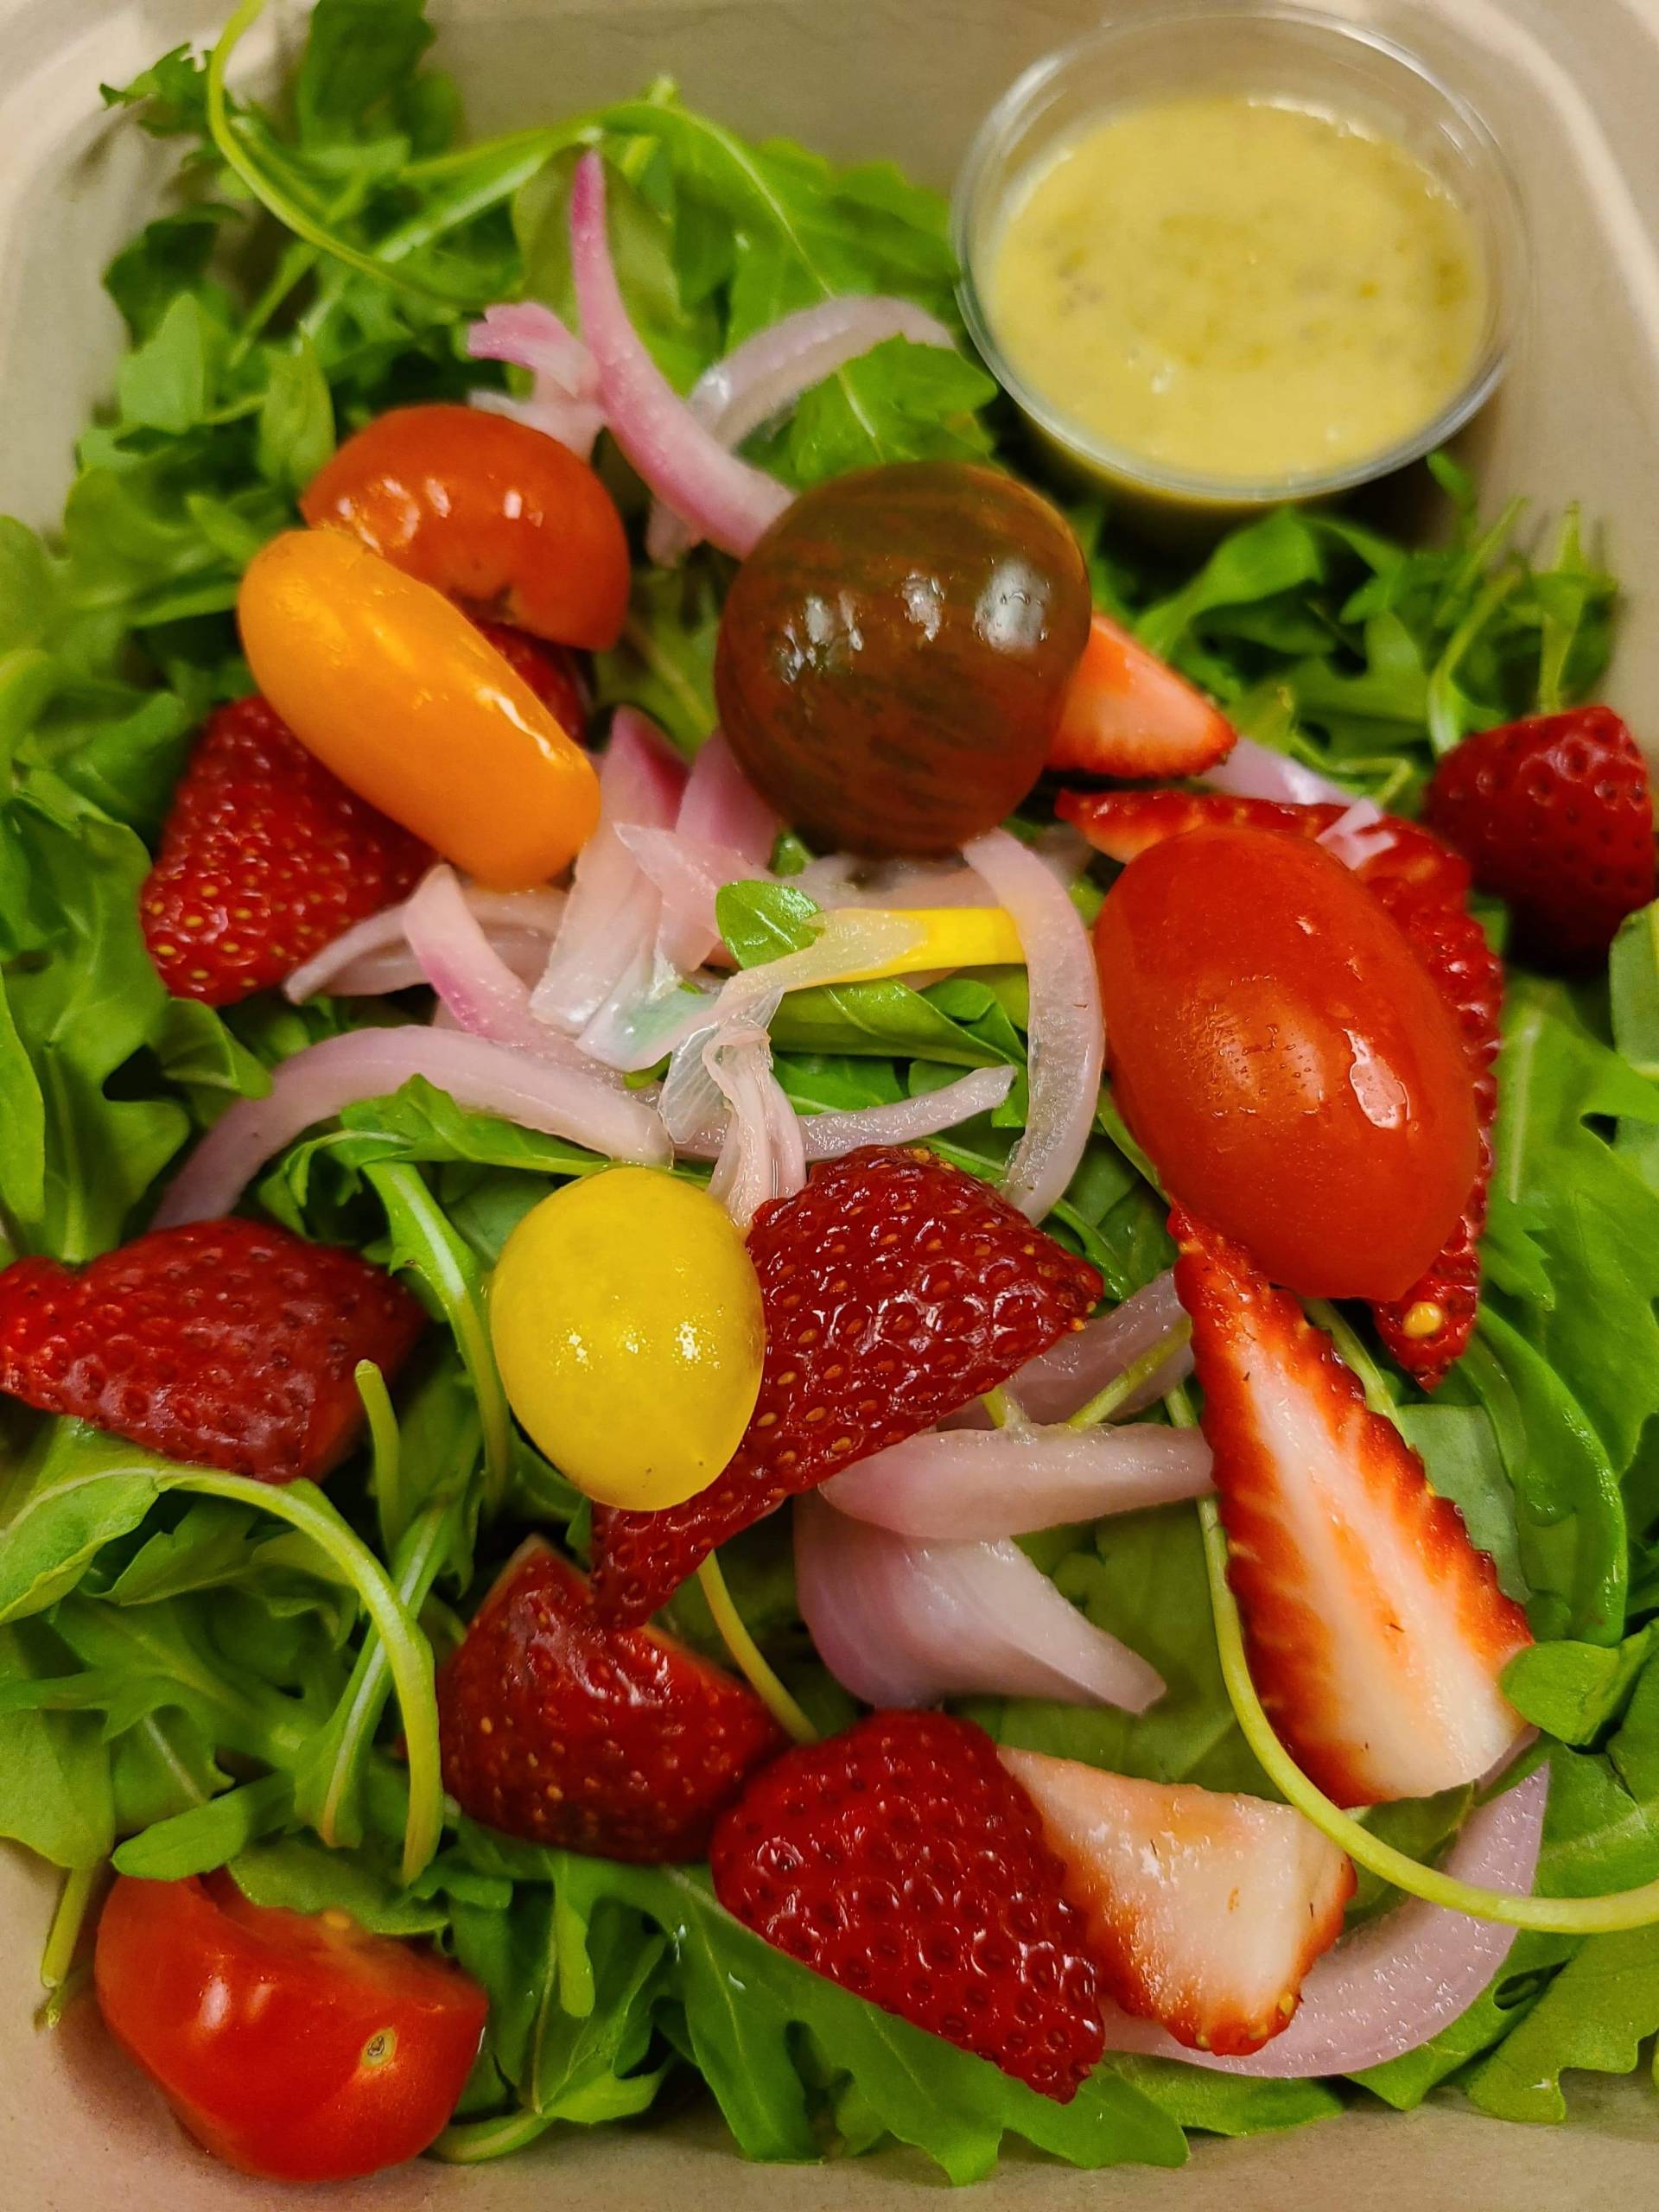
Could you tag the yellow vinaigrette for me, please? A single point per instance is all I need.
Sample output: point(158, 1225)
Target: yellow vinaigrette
point(627, 1326)
point(1236, 288)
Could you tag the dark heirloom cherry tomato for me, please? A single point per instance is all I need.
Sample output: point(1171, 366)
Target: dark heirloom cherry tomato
point(294, 2047)
point(488, 511)
point(894, 654)
point(1280, 1053)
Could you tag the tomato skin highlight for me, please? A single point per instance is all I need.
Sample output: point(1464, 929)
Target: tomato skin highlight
point(487, 510)
point(1283, 1055)
point(292, 2047)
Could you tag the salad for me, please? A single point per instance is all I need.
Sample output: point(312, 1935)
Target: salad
point(813, 1283)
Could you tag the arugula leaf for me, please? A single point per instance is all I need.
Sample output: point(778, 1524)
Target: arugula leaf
point(1596, 2014)
point(1572, 1690)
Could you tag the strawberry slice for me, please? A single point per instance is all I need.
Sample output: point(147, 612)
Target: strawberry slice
point(896, 1290)
point(1129, 714)
point(265, 858)
point(901, 1861)
point(553, 673)
point(1556, 816)
point(224, 1344)
point(1376, 1631)
point(617, 1741)
point(1205, 1909)
point(1422, 884)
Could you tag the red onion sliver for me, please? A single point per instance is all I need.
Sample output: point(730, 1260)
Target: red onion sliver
point(1396, 1982)
point(564, 402)
point(722, 807)
point(688, 873)
point(761, 1156)
point(685, 465)
point(1253, 771)
point(974, 1484)
point(908, 1120)
point(901, 1622)
point(1066, 1033)
point(473, 981)
point(1061, 1381)
point(354, 964)
point(316, 1083)
point(770, 371)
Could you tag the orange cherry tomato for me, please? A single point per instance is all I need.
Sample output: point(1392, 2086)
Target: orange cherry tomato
point(1280, 1053)
point(487, 510)
point(392, 687)
point(294, 2047)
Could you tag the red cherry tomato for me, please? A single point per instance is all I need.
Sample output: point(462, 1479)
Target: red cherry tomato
point(552, 672)
point(295, 2048)
point(1279, 1052)
point(487, 510)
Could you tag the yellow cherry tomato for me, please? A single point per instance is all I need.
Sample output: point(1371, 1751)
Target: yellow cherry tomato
point(948, 936)
point(392, 687)
point(628, 1329)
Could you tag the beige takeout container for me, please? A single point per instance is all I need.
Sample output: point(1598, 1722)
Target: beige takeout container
point(1571, 88)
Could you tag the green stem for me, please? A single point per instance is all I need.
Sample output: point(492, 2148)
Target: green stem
point(999, 1406)
point(1326, 1316)
point(387, 1452)
point(748, 1655)
point(470, 2142)
point(67, 1921)
point(1445, 723)
point(1135, 1375)
point(1602, 1916)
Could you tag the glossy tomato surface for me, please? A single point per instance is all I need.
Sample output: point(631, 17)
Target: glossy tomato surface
point(895, 652)
point(487, 510)
point(1280, 1053)
point(295, 2046)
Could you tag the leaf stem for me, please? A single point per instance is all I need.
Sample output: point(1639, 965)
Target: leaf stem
point(1601, 1916)
point(1135, 1375)
point(67, 1921)
point(386, 1449)
point(470, 2142)
point(1340, 1330)
point(747, 1654)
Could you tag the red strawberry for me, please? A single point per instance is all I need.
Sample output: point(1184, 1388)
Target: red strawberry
point(1129, 714)
point(265, 858)
point(224, 1343)
point(1422, 884)
point(553, 673)
point(1376, 1631)
point(901, 1861)
point(1205, 1911)
point(617, 1741)
point(1556, 816)
point(896, 1289)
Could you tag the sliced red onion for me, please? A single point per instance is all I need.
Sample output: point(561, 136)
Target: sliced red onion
point(1253, 771)
point(722, 806)
point(1066, 1034)
point(761, 1156)
point(973, 1485)
point(1061, 1381)
point(769, 372)
point(373, 955)
point(682, 462)
point(1358, 835)
point(901, 1623)
point(565, 401)
point(317, 1084)
point(687, 875)
point(473, 983)
point(908, 1120)
point(612, 913)
point(1389, 1986)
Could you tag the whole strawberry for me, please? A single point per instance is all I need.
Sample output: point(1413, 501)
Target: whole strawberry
point(553, 673)
point(265, 858)
point(903, 1862)
point(896, 1289)
point(224, 1344)
point(617, 1742)
point(1556, 817)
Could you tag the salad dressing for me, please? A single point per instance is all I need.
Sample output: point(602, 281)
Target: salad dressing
point(1236, 288)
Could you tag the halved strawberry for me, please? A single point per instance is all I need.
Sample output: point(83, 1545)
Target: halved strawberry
point(896, 1290)
point(1129, 714)
point(901, 1861)
point(1205, 1909)
point(227, 1343)
point(1422, 884)
point(1556, 814)
point(1376, 1631)
point(265, 858)
point(617, 1741)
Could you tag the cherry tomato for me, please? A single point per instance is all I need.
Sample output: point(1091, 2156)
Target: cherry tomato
point(487, 510)
point(400, 695)
point(1280, 1053)
point(627, 1323)
point(552, 672)
point(295, 2046)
